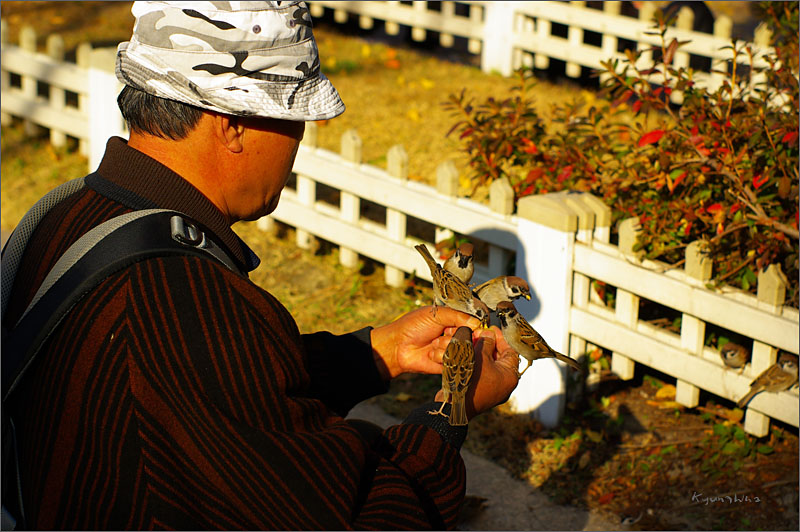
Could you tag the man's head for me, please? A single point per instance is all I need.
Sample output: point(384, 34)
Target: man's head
point(234, 82)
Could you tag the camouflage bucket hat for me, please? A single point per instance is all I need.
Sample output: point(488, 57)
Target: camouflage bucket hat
point(238, 58)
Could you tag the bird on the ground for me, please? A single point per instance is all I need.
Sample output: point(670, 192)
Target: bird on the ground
point(524, 339)
point(458, 362)
point(461, 262)
point(450, 291)
point(503, 288)
point(780, 376)
point(734, 355)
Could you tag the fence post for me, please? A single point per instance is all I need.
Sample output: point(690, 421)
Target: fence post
point(349, 203)
point(448, 12)
point(771, 294)
point(447, 185)
point(27, 41)
point(5, 77)
point(575, 40)
point(55, 50)
point(627, 304)
point(498, 43)
point(105, 120)
point(83, 58)
point(545, 251)
point(396, 228)
point(501, 201)
point(723, 26)
point(693, 330)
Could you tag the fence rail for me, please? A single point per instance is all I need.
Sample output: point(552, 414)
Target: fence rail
point(558, 242)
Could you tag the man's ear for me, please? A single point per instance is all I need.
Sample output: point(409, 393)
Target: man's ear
point(229, 131)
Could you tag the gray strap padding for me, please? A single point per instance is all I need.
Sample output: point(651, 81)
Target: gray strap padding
point(12, 253)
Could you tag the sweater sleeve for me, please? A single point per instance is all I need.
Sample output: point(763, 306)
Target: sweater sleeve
point(342, 369)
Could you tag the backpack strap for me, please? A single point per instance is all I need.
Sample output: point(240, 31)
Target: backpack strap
point(101, 252)
point(15, 246)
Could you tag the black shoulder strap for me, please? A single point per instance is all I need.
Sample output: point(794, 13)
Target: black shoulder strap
point(101, 252)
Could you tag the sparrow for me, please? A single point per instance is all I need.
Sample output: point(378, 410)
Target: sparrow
point(524, 339)
point(778, 377)
point(503, 288)
point(457, 365)
point(460, 263)
point(734, 355)
point(450, 291)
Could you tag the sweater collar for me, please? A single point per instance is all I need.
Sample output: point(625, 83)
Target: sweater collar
point(146, 179)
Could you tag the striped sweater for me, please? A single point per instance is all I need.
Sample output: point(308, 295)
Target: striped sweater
point(178, 394)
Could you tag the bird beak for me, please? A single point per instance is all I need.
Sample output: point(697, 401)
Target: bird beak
point(527, 297)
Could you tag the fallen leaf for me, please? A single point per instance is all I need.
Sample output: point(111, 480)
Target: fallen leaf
point(667, 391)
point(605, 499)
point(426, 83)
point(596, 437)
point(393, 64)
point(366, 50)
point(668, 405)
point(734, 415)
point(402, 397)
point(413, 114)
point(584, 460)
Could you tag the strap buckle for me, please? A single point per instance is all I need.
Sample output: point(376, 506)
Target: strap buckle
point(186, 232)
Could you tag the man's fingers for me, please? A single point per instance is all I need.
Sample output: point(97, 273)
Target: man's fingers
point(447, 317)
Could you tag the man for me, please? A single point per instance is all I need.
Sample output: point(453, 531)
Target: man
point(178, 394)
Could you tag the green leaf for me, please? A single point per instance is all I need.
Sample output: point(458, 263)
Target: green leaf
point(721, 430)
point(765, 449)
point(730, 447)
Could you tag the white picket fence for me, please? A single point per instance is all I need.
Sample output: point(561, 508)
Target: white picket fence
point(508, 35)
point(558, 242)
point(91, 116)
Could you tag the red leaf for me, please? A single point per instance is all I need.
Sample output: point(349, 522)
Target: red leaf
point(714, 208)
point(636, 106)
point(759, 180)
point(605, 499)
point(650, 138)
point(790, 137)
point(565, 173)
point(466, 132)
point(534, 174)
point(530, 147)
point(687, 229)
point(735, 207)
point(704, 151)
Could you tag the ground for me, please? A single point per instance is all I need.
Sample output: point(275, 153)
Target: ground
point(624, 448)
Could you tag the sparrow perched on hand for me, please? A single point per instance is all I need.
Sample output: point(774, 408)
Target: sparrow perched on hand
point(457, 365)
point(451, 291)
point(734, 355)
point(460, 263)
point(524, 339)
point(778, 377)
point(503, 288)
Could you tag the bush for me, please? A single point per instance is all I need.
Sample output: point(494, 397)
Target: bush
point(721, 167)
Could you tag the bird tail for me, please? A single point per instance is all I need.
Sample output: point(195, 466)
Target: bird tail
point(570, 361)
point(458, 412)
point(423, 250)
point(744, 400)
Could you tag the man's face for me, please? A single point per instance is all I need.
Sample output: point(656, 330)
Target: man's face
point(270, 147)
